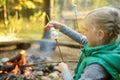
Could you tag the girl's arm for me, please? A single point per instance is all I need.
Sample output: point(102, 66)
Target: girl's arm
point(65, 72)
point(66, 75)
point(95, 72)
point(67, 31)
point(91, 72)
point(73, 34)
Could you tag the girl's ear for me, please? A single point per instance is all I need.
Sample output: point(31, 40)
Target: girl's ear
point(101, 34)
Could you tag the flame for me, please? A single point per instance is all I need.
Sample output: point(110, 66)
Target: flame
point(22, 57)
point(10, 63)
point(1, 71)
point(18, 63)
point(16, 70)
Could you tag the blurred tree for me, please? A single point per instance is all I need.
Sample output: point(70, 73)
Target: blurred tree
point(45, 46)
point(15, 12)
point(91, 4)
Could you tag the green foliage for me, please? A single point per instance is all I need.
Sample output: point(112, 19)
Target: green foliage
point(2, 2)
point(25, 19)
point(28, 4)
point(31, 30)
point(12, 28)
point(38, 16)
point(24, 28)
point(40, 1)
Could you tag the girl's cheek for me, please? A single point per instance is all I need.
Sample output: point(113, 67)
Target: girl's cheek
point(85, 33)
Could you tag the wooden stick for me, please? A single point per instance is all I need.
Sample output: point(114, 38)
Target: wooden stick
point(36, 64)
point(59, 50)
point(57, 43)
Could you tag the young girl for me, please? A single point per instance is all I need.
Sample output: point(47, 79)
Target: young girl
point(101, 54)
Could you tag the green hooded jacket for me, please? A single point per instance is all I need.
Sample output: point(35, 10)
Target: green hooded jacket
point(106, 55)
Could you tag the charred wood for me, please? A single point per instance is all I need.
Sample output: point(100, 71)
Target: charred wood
point(14, 59)
point(7, 68)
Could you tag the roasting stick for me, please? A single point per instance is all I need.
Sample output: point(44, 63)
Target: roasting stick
point(36, 64)
point(55, 34)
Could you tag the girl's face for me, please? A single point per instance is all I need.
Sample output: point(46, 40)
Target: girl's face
point(91, 35)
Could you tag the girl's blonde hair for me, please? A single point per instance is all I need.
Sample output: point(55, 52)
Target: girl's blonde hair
point(105, 18)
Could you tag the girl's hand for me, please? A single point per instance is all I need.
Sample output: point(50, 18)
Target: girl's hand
point(54, 24)
point(62, 66)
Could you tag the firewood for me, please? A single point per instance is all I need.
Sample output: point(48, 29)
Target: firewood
point(7, 68)
point(16, 58)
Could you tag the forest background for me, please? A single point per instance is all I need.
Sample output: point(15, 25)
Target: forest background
point(26, 18)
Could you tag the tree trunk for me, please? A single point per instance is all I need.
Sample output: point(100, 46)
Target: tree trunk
point(47, 46)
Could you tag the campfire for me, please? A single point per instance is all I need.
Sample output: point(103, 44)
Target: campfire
point(17, 62)
point(14, 65)
point(17, 68)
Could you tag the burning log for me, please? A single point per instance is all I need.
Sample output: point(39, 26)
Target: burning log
point(18, 58)
point(13, 64)
point(6, 68)
point(46, 67)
